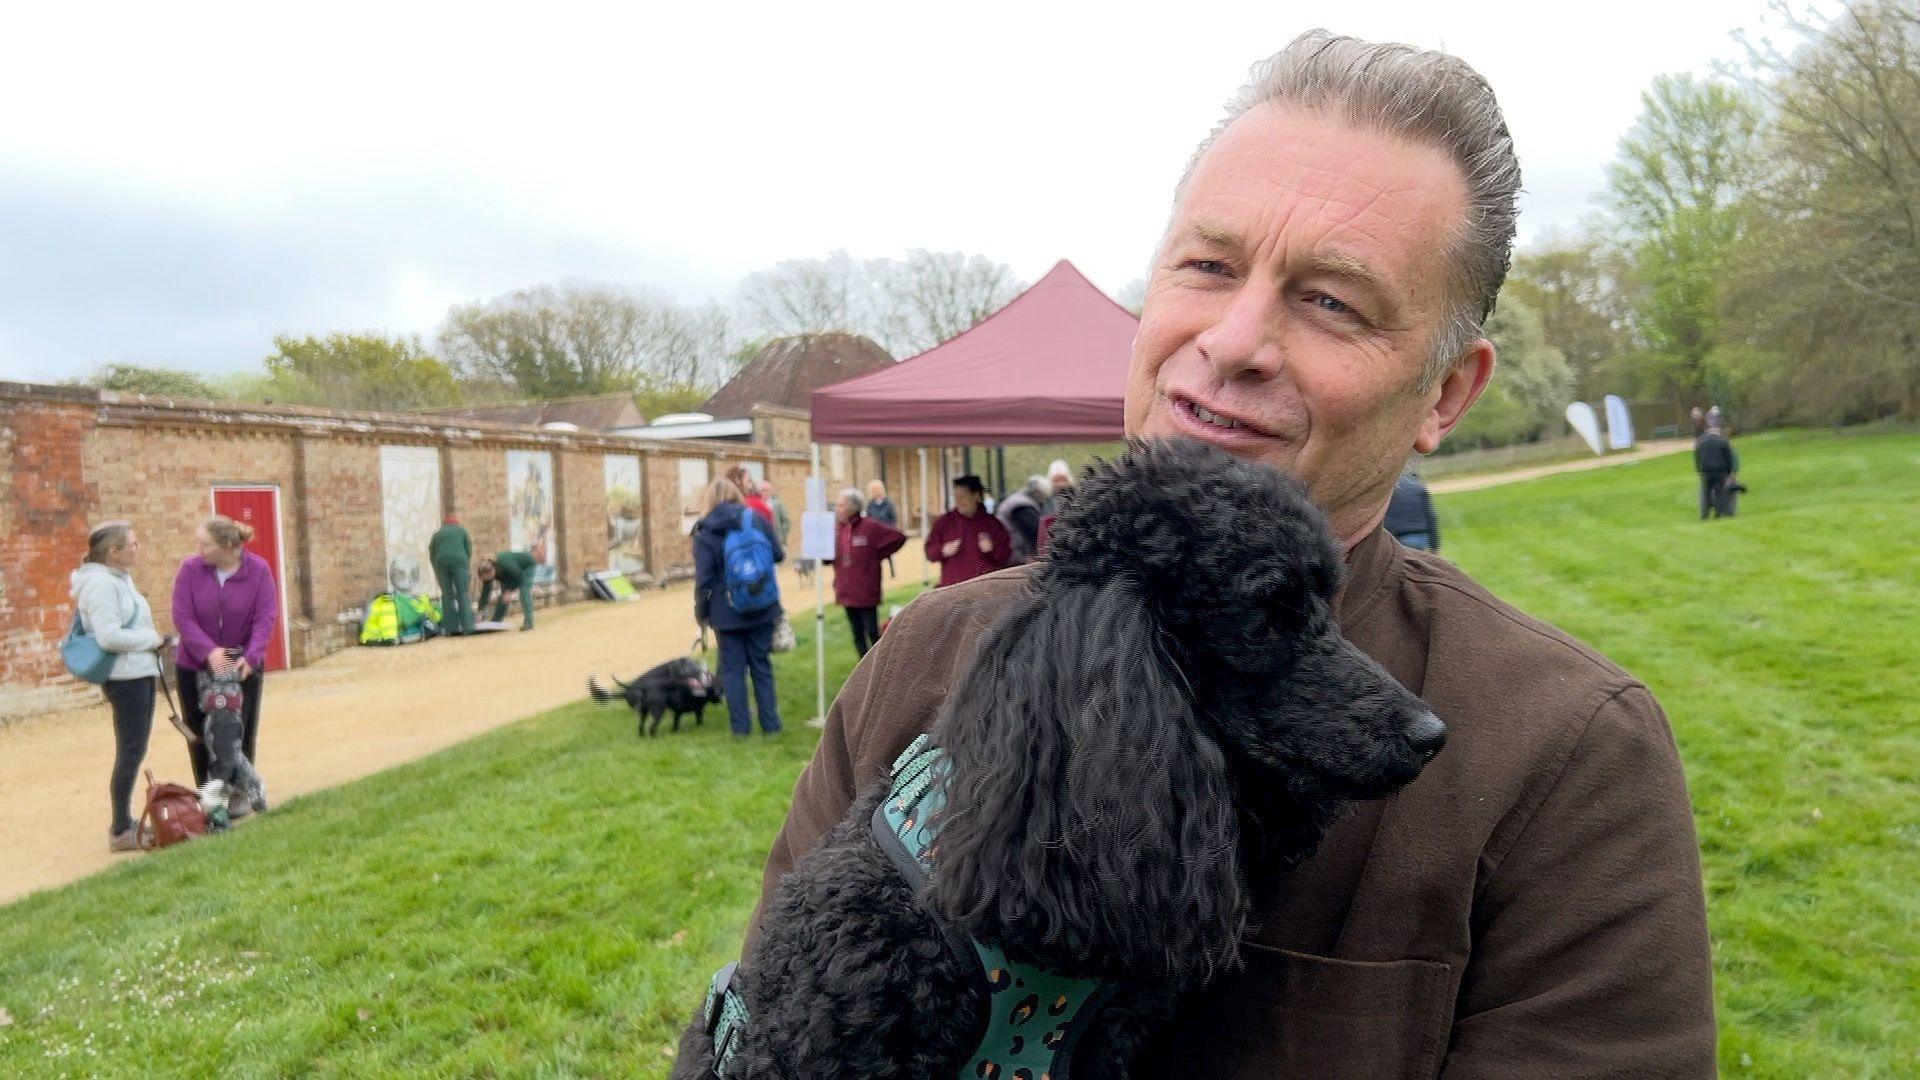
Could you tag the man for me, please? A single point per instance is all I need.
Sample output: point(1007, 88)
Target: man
point(1020, 513)
point(509, 570)
point(781, 522)
point(451, 551)
point(967, 541)
point(879, 507)
point(1410, 517)
point(1531, 906)
point(858, 546)
point(1715, 461)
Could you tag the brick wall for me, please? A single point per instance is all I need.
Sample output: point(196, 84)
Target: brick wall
point(70, 458)
point(44, 523)
point(580, 507)
point(345, 553)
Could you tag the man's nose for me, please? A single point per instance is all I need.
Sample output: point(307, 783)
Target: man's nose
point(1244, 342)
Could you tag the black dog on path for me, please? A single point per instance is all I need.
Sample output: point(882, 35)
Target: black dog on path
point(1169, 712)
point(681, 687)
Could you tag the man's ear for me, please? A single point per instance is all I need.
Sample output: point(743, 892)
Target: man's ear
point(1459, 389)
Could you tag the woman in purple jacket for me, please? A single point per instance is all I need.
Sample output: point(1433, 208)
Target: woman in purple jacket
point(226, 607)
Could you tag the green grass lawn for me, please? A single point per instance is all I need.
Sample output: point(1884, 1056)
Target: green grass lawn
point(1785, 645)
point(548, 900)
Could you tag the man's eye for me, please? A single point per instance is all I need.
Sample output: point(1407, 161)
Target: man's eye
point(1205, 266)
point(1331, 303)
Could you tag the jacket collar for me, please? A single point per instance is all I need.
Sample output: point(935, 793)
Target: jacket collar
point(1371, 562)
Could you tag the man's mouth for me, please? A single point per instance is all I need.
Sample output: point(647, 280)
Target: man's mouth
point(1209, 416)
point(1200, 418)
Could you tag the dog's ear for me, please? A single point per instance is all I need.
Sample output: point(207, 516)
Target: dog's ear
point(1090, 824)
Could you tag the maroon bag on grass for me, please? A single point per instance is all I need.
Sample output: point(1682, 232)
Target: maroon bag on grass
point(173, 814)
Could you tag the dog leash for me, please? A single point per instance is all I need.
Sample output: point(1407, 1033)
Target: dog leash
point(166, 691)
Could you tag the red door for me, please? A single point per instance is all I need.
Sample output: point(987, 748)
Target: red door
point(260, 508)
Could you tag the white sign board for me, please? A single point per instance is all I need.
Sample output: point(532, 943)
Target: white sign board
point(816, 534)
point(817, 493)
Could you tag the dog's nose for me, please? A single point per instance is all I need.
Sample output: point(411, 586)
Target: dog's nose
point(1427, 734)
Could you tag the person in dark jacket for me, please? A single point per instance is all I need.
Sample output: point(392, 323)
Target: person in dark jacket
point(509, 570)
point(859, 545)
point(451, 552)
point(879, 507)
point(1020, 512)
point(746, 639)
point(1410, 516)
point(882, 509)
point(1714, 460)
point(224, 599)
point(967, 541)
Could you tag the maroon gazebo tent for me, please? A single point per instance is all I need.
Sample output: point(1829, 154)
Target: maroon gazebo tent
point(1049, 367)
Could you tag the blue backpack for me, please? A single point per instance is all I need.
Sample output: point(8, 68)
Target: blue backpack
point(751, 585)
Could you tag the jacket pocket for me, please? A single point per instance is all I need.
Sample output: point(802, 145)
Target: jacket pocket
point(1290, 1014)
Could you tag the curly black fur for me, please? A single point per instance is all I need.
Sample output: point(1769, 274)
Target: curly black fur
point(1170, 710)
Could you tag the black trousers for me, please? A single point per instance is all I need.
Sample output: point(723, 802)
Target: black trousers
point(197, 720)
point(866, 627)
point(132, 701)
point(1716, 496)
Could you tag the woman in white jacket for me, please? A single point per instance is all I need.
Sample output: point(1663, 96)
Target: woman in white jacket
point(117, 616)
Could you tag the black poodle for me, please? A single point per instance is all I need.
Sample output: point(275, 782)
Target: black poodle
point(1169, 711)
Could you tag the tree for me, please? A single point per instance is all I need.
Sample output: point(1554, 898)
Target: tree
point(935, 296)
point(356, 371)
point(157, 381)
point(548, 342)
point(1531, 386)
point(907, 305)
point(1827, 284)
point(1675, 189)
point(807, 296)
point(1581, 290)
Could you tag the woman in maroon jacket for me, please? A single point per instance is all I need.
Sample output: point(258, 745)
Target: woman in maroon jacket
point(860, 546)
point(226, 607)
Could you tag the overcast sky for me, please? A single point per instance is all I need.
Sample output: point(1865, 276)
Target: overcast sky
point(178, 183)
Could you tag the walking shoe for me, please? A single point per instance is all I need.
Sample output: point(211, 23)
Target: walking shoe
point(127, 839)
point(238, 805)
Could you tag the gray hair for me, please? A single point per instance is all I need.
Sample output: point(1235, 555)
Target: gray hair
point(107, 538)
point(1426, 97)
point(1039, 486)
point(859, 504)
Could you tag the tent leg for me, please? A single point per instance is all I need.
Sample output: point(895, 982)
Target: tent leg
point(926, 522)
point(819, 627)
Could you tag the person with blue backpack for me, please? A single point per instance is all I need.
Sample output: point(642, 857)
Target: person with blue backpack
point(737, 592)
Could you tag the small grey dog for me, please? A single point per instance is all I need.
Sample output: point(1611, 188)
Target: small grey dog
point(221, 701)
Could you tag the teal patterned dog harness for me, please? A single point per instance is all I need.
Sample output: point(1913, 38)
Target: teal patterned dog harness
point(1034, 1017)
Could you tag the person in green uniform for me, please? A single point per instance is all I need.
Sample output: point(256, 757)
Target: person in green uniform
point(509, 570)
point(451, 552)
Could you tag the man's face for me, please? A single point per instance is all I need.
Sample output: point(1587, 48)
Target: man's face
point(965, 500)
point(1295, 298)
point(844, 508)
point(876, 491)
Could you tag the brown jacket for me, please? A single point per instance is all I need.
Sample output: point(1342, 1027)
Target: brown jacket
point(1530, 907)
